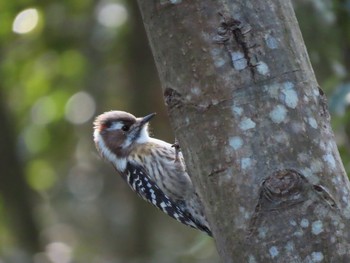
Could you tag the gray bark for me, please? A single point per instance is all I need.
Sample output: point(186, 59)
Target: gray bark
point(254, 128)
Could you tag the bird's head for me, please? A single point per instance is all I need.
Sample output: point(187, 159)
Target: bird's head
point(117, 132)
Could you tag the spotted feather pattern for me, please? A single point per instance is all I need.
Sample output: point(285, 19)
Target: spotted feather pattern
point(142, 184)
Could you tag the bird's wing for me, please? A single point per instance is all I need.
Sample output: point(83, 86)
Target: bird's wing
point(142, 184)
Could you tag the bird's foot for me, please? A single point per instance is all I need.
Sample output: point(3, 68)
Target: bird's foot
point(176, 145)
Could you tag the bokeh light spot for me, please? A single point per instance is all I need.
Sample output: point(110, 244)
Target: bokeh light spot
point(111, 14)
point(80, 108)
point(59, 252)
point(40, 175)
point(25, 21)
point(347, 98)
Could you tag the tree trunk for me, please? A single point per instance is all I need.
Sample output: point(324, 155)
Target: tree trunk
point(254, 128)
point(16, 194)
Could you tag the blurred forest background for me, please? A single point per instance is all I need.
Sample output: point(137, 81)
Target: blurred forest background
point(64, 62)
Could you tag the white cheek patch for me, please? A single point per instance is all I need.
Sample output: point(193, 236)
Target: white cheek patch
point(119, 163)
point(115, 126)
point(144, 137)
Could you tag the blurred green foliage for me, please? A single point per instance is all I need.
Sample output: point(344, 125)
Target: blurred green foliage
point(81, 58)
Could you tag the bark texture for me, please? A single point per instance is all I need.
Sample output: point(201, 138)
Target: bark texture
point(254, 128)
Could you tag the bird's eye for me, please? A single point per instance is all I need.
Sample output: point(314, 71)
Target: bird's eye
point(125, 128)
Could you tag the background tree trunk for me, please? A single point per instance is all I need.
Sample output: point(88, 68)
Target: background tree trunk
point(254, 128)
point(14, 189)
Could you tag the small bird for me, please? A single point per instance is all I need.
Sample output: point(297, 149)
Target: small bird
point(154, 169)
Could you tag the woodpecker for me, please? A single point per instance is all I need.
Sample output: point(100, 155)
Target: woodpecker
point(153, 168)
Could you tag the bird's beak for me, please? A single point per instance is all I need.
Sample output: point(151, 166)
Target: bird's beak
point(141, 122)
point(146, 119)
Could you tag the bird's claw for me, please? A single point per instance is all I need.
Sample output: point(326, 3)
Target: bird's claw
point(176, 145)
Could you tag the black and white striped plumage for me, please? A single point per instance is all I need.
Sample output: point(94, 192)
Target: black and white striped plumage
point(138, 180)
point(149, 166)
